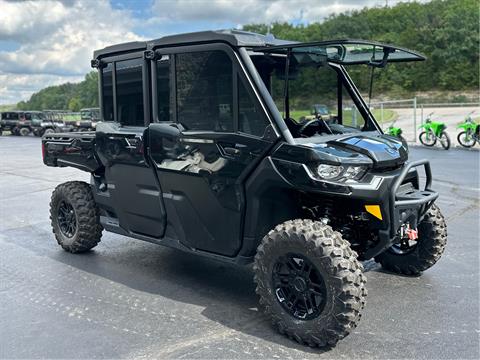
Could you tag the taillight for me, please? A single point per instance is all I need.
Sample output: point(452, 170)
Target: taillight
point(43, 150)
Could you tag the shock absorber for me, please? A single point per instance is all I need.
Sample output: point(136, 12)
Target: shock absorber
point(325, 211)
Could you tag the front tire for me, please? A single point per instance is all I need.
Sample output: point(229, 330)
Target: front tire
point(310, 282)
point(427, 141)
point(432, 239)
point(75, 217)
point(444, 140)
point(465, 139)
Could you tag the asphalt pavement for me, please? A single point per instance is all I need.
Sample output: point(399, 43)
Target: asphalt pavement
point(131, 299)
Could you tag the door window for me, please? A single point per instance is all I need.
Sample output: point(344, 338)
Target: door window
point(107, 92)
point(129, 92)
point(251, 118)
point(163, 89)
point(204, 91)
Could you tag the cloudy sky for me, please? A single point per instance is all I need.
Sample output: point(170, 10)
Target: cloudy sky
point(51, 42)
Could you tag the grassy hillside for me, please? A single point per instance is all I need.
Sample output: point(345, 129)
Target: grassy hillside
point(447, 32)
point(66, 96)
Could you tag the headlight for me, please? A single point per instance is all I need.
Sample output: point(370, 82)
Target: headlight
point(329, 172)
point(339, 172)
point(77, 123)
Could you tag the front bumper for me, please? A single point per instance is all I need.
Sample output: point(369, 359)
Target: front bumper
point(397, 192)
point(406, 204)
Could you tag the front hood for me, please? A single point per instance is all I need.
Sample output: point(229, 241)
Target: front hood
point(383, 151)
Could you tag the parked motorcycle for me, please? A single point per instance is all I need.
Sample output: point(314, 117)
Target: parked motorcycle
point(395, 131)
point(470, 133)
point(433, 131)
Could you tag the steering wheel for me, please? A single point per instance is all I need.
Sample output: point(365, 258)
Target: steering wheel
point(308, 124)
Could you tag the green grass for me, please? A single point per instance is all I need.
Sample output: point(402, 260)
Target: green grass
point(71, 117)
point(388, 115)
point(297, 114)
point(8, 107)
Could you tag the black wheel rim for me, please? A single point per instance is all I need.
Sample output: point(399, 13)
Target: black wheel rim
point(67, 221)
point(299, 287)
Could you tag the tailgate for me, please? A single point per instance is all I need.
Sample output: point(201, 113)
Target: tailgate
point(70, 149)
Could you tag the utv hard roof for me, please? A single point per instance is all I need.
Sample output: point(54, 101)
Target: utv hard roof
point(344, 51)
point(233, 37)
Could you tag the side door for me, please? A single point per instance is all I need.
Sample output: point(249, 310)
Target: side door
point(205, 143)
point(131, 183)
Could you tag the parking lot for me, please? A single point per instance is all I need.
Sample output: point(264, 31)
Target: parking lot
point(131, 299)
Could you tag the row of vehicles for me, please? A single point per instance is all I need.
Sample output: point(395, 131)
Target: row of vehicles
point(39, 123)
point(435, 131)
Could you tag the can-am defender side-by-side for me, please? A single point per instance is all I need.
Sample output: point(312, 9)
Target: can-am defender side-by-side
point(207, 144)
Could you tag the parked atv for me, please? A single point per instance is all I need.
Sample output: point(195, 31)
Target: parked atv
point(470, 133)
point(434, 131)
point(211, 167)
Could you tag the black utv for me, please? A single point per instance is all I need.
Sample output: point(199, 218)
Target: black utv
point(200, 149)
point(89, 117)
point(15, 122)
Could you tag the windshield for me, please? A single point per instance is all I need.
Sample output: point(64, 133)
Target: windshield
point(34, 116)
point(313, 97)
point(90, 114)
point(349, 52)
point(86, 115)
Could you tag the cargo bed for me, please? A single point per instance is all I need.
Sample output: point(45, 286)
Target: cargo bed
point(76, 149)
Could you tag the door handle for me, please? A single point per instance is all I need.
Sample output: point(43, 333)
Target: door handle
point(232, 151)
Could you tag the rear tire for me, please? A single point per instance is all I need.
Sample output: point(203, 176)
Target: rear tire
point(444, 140)
point(24, 131)
point(461, 140)
point(332, 310)
point(75, 217)
point(427, 142)
point(432, 232)
point(48, 131)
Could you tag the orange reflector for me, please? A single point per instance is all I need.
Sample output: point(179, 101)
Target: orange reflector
point(374, 210)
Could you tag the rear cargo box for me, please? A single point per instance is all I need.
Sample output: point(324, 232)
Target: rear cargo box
point(70, 149)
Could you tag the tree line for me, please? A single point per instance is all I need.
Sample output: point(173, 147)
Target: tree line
point(446, 31)
point(66, 96)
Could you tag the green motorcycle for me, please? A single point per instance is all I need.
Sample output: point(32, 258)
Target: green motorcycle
point(395, 131)
point(470, 133)
point(433, 131)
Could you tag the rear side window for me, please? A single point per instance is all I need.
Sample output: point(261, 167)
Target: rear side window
point(107, 92)
point(129, 92)
point(204, 91)
point(163, 89)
